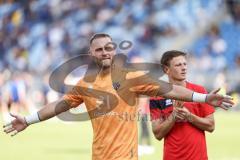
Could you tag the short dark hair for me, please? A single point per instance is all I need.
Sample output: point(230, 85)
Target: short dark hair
point(99, 35)
point(169, 55)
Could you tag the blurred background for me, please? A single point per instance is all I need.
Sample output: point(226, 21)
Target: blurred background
point(36, 36)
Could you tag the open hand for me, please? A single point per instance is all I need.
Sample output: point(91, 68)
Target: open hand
point(16, 125)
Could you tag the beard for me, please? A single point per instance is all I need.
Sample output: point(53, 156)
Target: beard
point(106, 63)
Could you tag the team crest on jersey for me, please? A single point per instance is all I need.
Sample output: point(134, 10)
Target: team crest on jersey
point(116, 85)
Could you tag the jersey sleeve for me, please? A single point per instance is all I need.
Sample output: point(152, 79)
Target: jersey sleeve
point(145, 85)
point(73, 98)
point(206, 109)
point(155, 108)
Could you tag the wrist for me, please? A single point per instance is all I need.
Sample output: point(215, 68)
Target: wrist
point(32, 118)
point(190, 118)
point(173, 116)
point(199, 97)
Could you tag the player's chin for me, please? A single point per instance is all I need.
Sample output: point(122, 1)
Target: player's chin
point(182, 75)
point(181, 78)
point(106, 63)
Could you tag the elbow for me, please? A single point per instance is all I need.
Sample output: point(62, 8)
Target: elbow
point(211, 127)
point(158, 136)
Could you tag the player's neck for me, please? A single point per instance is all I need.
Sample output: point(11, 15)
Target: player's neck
point(105, 72)
point(179, 83)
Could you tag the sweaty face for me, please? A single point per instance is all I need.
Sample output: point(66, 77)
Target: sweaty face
point(177, 68)
point(102, 50)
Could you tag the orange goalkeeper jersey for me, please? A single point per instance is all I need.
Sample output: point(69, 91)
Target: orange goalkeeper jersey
point(111, 102)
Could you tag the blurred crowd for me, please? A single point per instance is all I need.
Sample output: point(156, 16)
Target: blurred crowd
point(50, 31)
point(36, 36)
point(221, 41)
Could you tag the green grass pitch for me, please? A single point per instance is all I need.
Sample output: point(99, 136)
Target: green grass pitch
point(55, 139)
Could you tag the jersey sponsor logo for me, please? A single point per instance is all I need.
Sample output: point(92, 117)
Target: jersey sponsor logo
point(168, 102)
point(160, 103)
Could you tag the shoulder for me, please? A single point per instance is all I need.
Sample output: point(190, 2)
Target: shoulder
point(131, 73)
point(159, 100)
point(134, 74)
point(196, 87)
point(156, 98)
point(79, 82)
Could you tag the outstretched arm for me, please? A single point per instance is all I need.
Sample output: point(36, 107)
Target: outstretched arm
point(53, 109)
point(176, 92)
point(50, 110)
point(184, 94)
point(145, 85)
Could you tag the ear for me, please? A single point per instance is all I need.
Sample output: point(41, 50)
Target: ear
point(89, 52)
point(165, 69)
